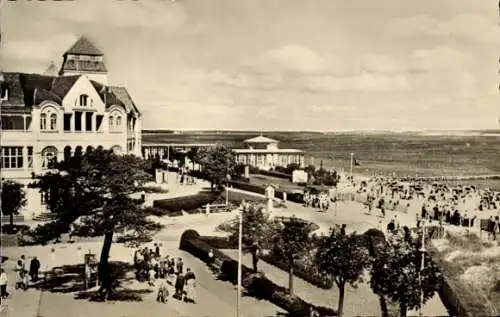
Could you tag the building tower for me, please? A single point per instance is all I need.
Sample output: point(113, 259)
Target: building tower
point(83, 58)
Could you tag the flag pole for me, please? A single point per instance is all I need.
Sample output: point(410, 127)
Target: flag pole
point(352, 158)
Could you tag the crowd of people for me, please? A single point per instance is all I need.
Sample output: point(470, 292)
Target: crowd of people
point(459, 205)
point(154, 268)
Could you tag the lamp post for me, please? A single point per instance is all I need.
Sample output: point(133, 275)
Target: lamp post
point(422, 250)
point(240, 237)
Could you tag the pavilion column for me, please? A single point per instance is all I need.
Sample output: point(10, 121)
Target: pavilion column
point(25, 155)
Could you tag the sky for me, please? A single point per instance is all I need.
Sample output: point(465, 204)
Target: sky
point(322, 65)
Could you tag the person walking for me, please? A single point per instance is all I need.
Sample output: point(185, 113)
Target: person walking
point(3, 285)
point(180, 266)
point(163, 293)
point(34, 269)
point(190, 286)
point(179, 286)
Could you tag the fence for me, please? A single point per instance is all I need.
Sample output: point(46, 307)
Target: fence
point(17, 218)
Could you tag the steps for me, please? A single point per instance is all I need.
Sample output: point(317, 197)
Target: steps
point(45, 216)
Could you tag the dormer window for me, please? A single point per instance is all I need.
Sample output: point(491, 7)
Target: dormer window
point(84, 100)
point(48, 120)
point(115, 121)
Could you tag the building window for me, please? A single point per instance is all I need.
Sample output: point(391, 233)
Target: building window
point(67, 121)
point(83, 100)
point(5, 94)
point(111, 123)
point(12, 157)
point(118, 123)
point(53, 122)
point(78, 120)
point(48, 120)
point(43, 121)
point(88, 121)
point(49, 155)
point(7, 123)
point(98, 122)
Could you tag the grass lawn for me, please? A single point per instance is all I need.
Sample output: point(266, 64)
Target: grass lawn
point(472, 267)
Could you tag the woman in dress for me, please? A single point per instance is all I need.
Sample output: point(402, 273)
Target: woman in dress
point(190, 286)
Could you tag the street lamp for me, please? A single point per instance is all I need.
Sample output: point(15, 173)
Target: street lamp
point(240, 237)
point(422, 250)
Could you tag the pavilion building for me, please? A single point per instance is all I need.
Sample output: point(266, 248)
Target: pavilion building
point(264, 153)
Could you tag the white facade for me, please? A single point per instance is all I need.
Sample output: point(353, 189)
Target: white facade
point(264, 153)
point(46, 117)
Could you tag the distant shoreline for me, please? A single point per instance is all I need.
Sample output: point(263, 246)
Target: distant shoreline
point(354, 132)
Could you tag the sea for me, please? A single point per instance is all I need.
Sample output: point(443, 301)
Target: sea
point(421, 154)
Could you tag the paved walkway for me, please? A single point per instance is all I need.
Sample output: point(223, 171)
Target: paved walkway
point(214, 298)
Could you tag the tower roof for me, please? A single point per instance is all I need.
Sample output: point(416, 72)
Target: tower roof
point(84, 47)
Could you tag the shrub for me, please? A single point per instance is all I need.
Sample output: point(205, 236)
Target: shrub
point(247, 187)
point(219, 242)
point(275, 174)
point(186, 203)
point(307, 274)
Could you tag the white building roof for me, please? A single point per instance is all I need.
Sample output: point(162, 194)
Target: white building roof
point(260, 139)
point(267, 151)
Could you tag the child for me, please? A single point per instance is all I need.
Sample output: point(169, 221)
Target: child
point(163, 293)
point(151, 277)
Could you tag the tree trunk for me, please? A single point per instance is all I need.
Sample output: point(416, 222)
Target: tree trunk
point(11, 219)
point(255, 260)
point(383, 306)
point(290, 278)
point(402, 310)
point(340, 308)
point(103, 269)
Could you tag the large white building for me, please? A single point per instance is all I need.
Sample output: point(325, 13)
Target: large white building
point(263, 153)
point(45, 117)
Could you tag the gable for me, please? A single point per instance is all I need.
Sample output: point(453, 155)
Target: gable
point(83, 86)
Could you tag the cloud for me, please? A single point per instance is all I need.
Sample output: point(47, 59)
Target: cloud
point(469, 26)
point(436, 59)
point(365, 82)
point(295, 58)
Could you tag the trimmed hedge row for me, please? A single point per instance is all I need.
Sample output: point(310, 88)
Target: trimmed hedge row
point(293, 197)
point(255, 284)
point(186, 203)
point(307, 275)
point(275, 174)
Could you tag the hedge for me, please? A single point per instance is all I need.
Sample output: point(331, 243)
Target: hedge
point(293, 197)
point(306, 274)
point(186, 203)
point(275, 174)
point(255, 284)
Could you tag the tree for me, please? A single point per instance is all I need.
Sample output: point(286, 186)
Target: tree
point(291, 242)
point(343, 258)
point(95, 189)
point(192, 155)
point(255, 233)
point(13, 199)
point(395, 274)
point(217, 163)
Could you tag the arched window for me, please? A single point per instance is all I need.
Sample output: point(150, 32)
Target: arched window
point(49, 155)
point(111, 123)
point(116, 149)
point(48, 119)
point(43, 121)
point(53, 122)
point(118, 123)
